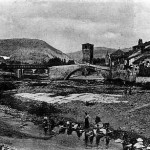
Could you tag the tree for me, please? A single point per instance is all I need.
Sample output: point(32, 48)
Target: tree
point(70, 62)
point(98, 60)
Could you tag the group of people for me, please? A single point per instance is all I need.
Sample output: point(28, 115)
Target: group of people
point(48, 124)
point(90, 132)
point(94, 133)
point(129, 143)
point(99, 130)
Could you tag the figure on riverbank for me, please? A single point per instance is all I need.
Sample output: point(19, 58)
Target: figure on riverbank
point(86, 138)
point(91, 136)
point(139, 145)
point(99, 135)
point(86, 122)
point(51, 124)
point(69, 130)
point(130, 91)
point(108, 134)
point(98, 122)
point(79, 131)
point(45, 125)
point(97, 119)
point(125, 91)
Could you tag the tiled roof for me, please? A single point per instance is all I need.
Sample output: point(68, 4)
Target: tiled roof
point(141, 58)
point(117, 53)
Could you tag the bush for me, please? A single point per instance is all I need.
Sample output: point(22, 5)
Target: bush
point(31, 107)
point(7, 86)
point(11, 102)
point(42, 109)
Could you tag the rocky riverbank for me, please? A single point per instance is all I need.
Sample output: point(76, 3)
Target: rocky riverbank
point(74, 98)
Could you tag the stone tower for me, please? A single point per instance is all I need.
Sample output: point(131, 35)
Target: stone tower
point(87, 50)
point(107, 59)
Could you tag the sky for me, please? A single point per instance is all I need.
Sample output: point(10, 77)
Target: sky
point(67, 24)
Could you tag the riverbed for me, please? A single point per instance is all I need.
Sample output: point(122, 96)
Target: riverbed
point(84, 97)
point(109, 103)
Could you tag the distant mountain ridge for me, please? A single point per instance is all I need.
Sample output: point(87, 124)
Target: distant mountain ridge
point(29, 50)
point(99, 52)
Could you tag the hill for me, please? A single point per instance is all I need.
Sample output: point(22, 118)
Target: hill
point(99, 52)
point(29, 50)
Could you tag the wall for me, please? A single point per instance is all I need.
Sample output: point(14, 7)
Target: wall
point(60, 72)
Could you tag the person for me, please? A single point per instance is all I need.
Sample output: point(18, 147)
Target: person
point(86, 134)
point(86, 123)
point(45, 125)
point(139, 145)
point(108, 135)
point(125, 91)
point(69, 129)
point(97, 119)
point(91, 136)
point(52, 124)
point(99, 135)
point(98, 122)
point(79, 131)
point(130, 91)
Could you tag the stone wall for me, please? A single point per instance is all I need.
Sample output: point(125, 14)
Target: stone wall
point(61, 72)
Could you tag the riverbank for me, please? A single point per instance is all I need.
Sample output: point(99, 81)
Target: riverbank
point(129, 113)
point(137, 120)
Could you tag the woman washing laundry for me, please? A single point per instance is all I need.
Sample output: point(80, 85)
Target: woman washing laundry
point(86, 121)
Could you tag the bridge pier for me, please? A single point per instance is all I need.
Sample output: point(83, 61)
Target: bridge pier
point(19, 73)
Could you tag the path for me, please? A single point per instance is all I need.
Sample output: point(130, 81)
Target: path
point(137, 108)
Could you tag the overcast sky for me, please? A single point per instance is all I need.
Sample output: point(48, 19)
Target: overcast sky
point(66, 24)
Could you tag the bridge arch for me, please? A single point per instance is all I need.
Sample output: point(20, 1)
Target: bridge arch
point(79, 69)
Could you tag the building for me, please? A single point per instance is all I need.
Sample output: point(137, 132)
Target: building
point(140, 58)
point(139, 52)
point(118, 57)
point(87, 50)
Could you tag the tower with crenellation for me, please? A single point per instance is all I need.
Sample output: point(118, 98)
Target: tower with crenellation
point(87, 50)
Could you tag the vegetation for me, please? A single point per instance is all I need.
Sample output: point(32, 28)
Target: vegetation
point(37, 108)
point(99, 61)
point(43, 109)
point(57, 62)
point(7, 86)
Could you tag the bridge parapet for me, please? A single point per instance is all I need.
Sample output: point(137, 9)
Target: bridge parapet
point(26, 66)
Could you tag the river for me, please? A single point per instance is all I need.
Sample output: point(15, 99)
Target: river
point(64, 141)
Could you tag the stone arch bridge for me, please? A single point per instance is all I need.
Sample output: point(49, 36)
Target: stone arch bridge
point(66, 71)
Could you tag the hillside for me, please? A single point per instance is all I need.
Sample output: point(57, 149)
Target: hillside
point(29, 50)
point(99, 52)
